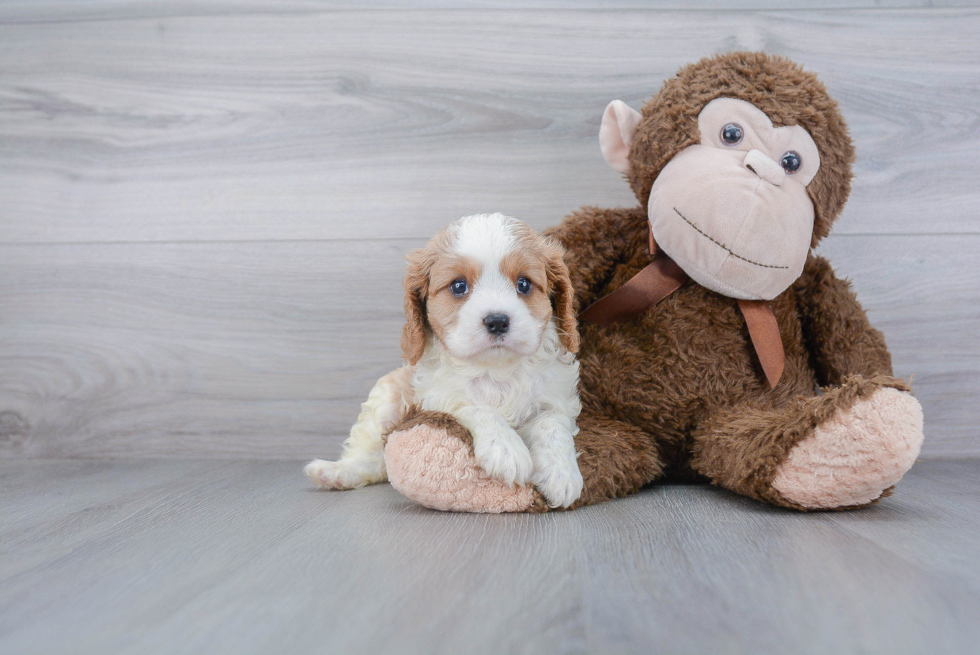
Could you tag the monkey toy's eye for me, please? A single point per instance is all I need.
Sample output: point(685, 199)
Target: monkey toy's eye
point(731, 134)
point(459, 287)
point(523, 285)
point(790, 162)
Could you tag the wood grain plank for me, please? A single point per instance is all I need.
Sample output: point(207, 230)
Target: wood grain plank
point(361, 124)
point(928, 520)
point(244, 557)
point(64, 503)
point(34, 11)
point(760, 579)
point(203, 549)
point(228, 348)
point(267, 349)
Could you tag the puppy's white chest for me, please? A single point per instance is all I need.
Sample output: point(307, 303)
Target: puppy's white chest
point(515, 397)
point(515, 394)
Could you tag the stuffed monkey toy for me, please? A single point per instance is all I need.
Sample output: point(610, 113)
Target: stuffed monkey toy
point(714, 344)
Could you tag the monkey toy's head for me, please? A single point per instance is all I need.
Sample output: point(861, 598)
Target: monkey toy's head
point(743, 162)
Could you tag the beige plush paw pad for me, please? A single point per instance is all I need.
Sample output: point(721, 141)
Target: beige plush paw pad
point(439, 471)
point(852, 458)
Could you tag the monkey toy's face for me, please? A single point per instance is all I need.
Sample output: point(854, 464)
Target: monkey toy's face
point(732, 210)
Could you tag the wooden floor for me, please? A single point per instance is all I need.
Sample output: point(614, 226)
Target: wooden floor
point(236, 556)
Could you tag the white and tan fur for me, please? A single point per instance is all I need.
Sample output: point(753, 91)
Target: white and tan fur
point(516, 391)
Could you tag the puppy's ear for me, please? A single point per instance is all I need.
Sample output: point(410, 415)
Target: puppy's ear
point(416, 290)
point(562, 295)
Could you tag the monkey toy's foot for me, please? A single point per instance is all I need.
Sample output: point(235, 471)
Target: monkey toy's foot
point(856, 455)
point(429, 458)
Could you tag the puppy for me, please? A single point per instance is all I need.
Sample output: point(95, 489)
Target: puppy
point(490, 337)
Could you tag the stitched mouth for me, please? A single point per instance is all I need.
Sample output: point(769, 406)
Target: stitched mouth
point(723, 246)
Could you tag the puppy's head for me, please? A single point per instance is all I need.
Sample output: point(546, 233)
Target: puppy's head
point(487, 287)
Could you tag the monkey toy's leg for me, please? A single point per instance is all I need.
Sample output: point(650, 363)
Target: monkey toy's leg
point(429, 458)
point(616, 458)
point(843, 449)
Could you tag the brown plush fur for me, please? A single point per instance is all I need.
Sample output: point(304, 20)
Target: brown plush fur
point(685, 371)
point(678, 391)
point(740, 447)
point(439, 420)
point(788, 94)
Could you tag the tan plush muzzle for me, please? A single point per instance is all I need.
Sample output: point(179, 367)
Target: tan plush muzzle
point(729, 226)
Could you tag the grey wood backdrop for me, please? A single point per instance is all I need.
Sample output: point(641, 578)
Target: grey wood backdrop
point(204, 206)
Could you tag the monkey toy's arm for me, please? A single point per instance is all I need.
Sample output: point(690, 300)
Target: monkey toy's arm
point(596, 240)
point(838, 334)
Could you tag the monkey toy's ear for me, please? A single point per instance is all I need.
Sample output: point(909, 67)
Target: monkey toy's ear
point(616, 133)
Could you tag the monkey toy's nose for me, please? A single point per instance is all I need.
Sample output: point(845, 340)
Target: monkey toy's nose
point(770, 171)
point(497, 324)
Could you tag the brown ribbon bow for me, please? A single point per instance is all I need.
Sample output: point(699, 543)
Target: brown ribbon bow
point(662, 277)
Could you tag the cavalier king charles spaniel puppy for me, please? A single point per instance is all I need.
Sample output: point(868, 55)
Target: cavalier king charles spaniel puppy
point(490, 337)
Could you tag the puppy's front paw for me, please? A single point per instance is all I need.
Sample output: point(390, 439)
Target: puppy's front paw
point(559, 481)
point(338, 475)
point(503, 456)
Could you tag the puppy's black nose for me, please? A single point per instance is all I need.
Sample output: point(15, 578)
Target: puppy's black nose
point(496, 323)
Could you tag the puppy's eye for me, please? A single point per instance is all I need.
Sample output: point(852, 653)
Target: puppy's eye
point(523, 285)
point(791, 162)
point(731, 134)
point(459, 287)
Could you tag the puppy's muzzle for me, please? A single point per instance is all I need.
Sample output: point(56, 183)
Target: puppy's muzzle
point(497, 324)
